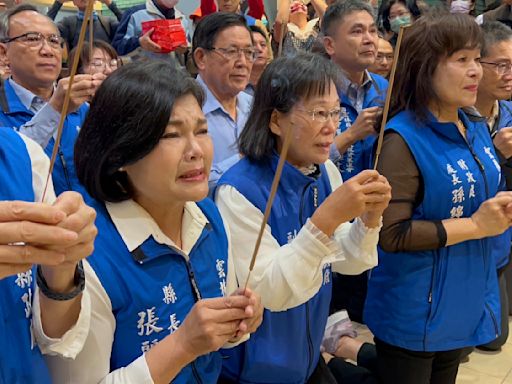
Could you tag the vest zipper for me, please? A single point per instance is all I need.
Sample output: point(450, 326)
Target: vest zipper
point(195, 373)
point(430, 299)
point(191, 276)
point(482, 169)
point(496, 330)
point(310, 341)
point(65, 167)
point(197, 297)
point(302, 222)
point(301, 213)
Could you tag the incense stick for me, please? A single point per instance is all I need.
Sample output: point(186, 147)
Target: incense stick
point(385, 113)
point(65, 106)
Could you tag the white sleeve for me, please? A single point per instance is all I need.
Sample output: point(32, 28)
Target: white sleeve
point(92, 363)
point(72, 342)
point(285, 276)
point(135, 373)
point(40, 168)
point(232, 285)
point(358, 242)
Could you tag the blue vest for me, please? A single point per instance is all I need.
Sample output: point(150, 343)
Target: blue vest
point(359, 155)
point(153, 288)
point(286, 347)
point(20, 363)
point(504, 120)
point(14, 114)
point(505, 116)
point(445, 298)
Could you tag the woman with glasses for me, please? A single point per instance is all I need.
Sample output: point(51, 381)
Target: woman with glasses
point(435, 289)
point(395, 13)
point(309, 229)
point(104, 58)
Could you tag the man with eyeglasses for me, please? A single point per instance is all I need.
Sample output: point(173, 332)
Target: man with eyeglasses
point(30, 101)
point(494, 91)
point(384, 59)
point(224, 54)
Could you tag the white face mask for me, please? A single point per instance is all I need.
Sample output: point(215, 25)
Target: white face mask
point(169, 3)
point(460, 6)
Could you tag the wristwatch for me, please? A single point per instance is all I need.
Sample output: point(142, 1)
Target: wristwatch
point(79, 285)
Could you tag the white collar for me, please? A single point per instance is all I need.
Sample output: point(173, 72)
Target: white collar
point(135, 225)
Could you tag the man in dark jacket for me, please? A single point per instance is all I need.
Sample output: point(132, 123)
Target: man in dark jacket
point(69, 27)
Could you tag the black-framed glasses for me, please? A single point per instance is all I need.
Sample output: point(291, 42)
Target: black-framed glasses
point(234, 53)
point(35, 40)
point(501, 68)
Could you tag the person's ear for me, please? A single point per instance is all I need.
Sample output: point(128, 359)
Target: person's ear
point(329, 45)
point(200, 58)
point(3, 54)
point(276, 122)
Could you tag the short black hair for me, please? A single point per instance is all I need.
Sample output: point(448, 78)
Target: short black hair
point(255, 28)
point(494, 32)
point(337, 11)
point(285, 81)
point(209, 27)
point(127, 118)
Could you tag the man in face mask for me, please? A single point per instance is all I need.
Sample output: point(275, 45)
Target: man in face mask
point(129, 37)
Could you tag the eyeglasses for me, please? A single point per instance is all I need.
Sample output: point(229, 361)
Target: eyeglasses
point(35, 40)
point(322, 116)
point(381, 57)
point(101, 65)
point(501, 68)
point(235, 53)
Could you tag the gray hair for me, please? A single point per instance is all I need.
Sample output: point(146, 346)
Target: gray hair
point(5, 18)
point(337, 11)
point(494, 32)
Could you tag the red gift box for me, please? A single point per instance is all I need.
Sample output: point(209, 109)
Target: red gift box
point(168, 34)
